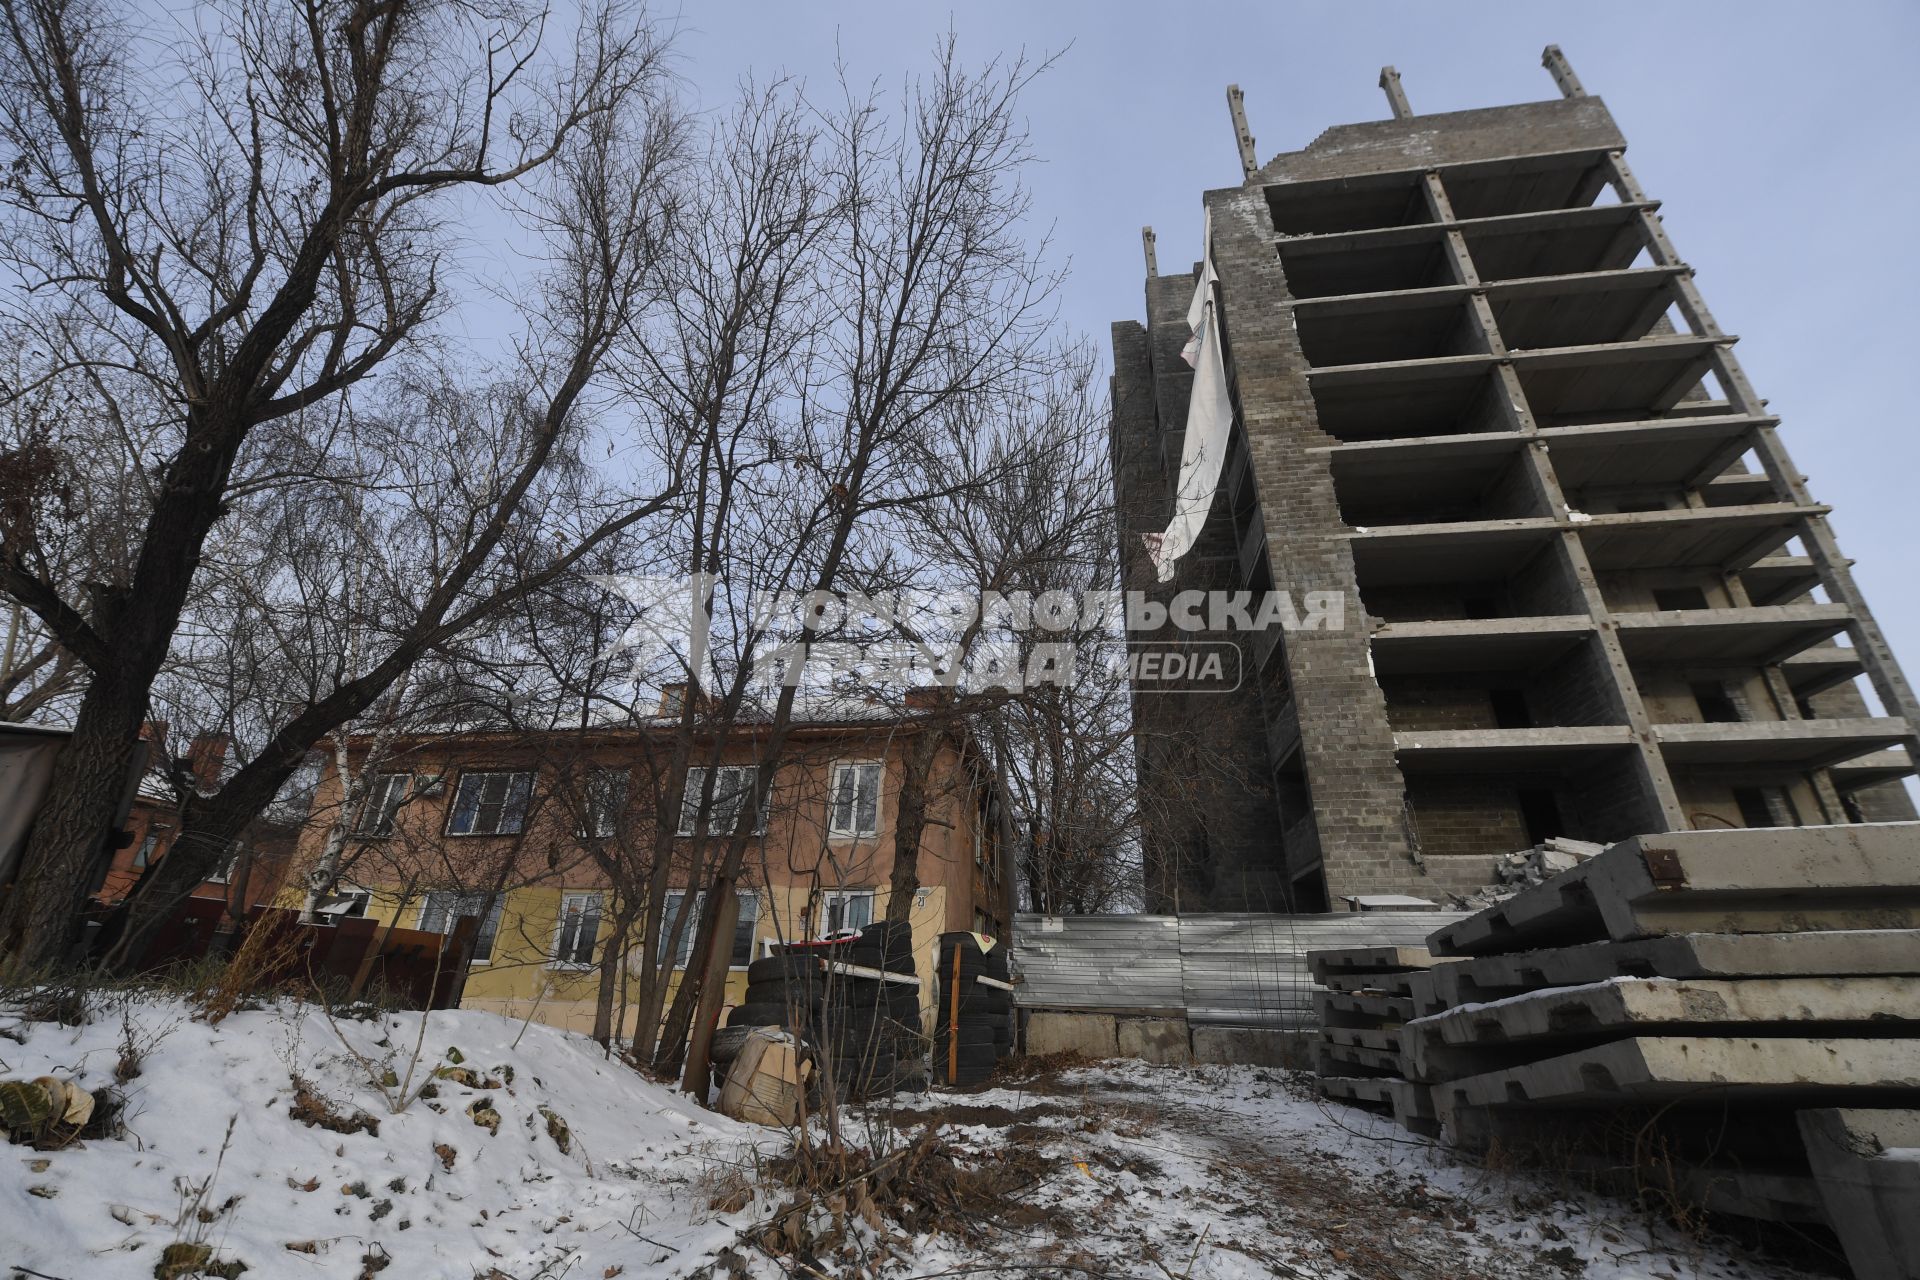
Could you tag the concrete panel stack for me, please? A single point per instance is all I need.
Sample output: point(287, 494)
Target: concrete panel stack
point(1368, 999)
point(1735, 1012)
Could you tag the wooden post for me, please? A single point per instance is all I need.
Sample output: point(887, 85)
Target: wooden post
point(713, 991)
point(953, 1020)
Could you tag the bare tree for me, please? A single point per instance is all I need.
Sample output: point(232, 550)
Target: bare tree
point(934, 295)
point(226, 246)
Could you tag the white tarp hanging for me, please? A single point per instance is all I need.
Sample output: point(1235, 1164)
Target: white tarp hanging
point(1209, 418)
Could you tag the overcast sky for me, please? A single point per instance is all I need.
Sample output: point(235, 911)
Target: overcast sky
point(1781, 137)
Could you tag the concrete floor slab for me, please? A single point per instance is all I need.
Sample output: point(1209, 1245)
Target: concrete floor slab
point(1385, 1040)
point(1381, 959)
point(1774, 880)
point(1353, 1060)
point(1478, 1038)
point(1375, 1090)
point(1864, 952)
point(1344, 1009)
point(1386, 984)
point(1697, 1070)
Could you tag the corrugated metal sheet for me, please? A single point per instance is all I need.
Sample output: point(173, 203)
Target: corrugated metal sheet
point(1238, 970)
point(1098, 962)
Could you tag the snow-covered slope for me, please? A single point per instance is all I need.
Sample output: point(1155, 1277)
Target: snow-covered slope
point(631, 1191)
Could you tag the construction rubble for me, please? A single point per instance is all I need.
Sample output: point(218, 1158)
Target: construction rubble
point(1728, 1020)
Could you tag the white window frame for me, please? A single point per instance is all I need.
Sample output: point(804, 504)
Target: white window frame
point(852, 829)
point(693, 926)
point(381, 806)
point(838, 898)
point(602, 810)
point(479, 776)
point(720, 819)
point(456, 899)
point(589, 904)
point(734, 960)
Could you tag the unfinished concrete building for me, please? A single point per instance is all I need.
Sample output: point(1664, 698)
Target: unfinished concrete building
point(1477, 391)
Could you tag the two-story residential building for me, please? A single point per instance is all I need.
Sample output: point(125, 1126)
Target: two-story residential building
point(256, 867)
point(545, 834)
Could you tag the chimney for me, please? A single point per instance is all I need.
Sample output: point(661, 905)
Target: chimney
point(926, 697)
point(206, 757)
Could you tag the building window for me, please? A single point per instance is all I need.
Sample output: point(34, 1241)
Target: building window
point(444, 909)
point(224, 869)
point(350, 904)
point(855, 806)
point(743, 929)
point(678, 903)
point(732, 785)
point(846, 909)
point(383, 801)
point(490, 804)
point(579, 928)
point(606, 802)
point(144, 857)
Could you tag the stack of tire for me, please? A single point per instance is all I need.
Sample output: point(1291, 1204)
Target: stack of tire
point(856, 1023)
point(966, 1045)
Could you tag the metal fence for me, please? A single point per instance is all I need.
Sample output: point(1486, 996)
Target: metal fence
point(1230, 969)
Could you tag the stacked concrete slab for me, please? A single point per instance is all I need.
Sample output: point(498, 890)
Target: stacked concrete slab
point(1741, 1008)
point(1368, 998)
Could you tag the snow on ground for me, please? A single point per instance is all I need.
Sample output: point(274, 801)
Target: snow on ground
point(1136, 1171)
point(631, 1193)
point(1225, 1173)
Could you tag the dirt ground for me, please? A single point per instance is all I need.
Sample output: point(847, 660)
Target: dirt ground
point(1191, 1174)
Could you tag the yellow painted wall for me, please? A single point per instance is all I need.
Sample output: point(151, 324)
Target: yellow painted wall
point(521, 980)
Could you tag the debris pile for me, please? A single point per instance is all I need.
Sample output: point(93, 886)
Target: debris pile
point(1524, 868)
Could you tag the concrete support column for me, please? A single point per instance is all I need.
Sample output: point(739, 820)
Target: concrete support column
point(1396, 96)
point(1883, 670)
point(1661, 801)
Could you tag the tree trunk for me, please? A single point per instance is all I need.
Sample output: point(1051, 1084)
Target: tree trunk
point(612, 959)
point(41, 914)
point(910, 824)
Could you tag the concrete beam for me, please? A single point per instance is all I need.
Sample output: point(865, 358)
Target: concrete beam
point(1779, 744)
point(1779, 880)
